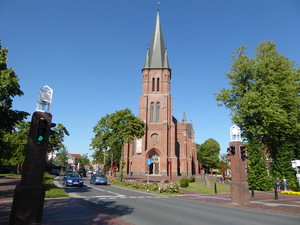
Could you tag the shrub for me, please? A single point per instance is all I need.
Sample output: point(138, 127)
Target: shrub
point(192, 179)
point(165, 181)
point(184, 182)
point(171, 188)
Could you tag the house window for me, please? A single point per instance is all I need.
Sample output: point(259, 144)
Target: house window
point(157, 84)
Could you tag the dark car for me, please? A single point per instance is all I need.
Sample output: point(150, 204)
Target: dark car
point(98, 179)
point(55, 172)
point(82, 172)
point(73, 179)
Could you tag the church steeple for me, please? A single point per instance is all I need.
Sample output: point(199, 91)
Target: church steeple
point(163, 132)
point(157, 57)
point(183, 117)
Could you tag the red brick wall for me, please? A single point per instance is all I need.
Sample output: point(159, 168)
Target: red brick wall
point(239, 186)
point(168, 131)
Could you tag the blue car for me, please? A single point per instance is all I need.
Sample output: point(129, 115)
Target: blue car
point(98, 179)
point(72, 179)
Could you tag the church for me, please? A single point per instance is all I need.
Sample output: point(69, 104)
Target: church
point(168, 146)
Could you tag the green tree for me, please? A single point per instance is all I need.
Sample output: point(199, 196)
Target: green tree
point(57, 138)
point(102, 157)
point(17, 144)
point(223, 159)
point(208, 153)
point(62, 158)
point(264, 102)
point(83, 160)
point(9, 118)
point(114, 130)
point(258, 171)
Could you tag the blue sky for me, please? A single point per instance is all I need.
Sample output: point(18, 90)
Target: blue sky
point(91, 52)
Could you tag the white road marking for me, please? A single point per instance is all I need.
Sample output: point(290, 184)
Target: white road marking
point(123, 197)
point(116, 195)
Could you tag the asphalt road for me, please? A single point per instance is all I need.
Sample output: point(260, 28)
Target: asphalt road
point(146, 208)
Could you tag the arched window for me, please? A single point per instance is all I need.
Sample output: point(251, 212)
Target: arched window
point(157, 112)
point(153, 84)
point(133, 148)
point(157, 88)
point(151, 112)
point(155, 157)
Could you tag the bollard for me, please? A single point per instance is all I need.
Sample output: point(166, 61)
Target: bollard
point(276, 194)
point(252, 192)
point(215, 188)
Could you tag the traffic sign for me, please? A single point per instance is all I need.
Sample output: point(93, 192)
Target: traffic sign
point(149, 161)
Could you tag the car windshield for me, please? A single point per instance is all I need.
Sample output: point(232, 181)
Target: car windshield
point(100, 175)
point(73, 175)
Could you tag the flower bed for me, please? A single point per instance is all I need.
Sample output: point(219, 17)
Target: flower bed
point(290, 192)
point(169, 188)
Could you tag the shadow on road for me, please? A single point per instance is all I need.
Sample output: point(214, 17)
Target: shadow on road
point(82, 211)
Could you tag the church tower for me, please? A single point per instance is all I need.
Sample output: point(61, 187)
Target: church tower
point(166, 142)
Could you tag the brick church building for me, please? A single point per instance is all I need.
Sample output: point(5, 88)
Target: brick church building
point(167, 142)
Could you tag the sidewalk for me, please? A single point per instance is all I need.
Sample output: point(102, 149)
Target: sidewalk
point(262, 201)
point(78, 211)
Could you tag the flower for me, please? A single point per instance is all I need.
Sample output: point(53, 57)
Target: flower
point(290, 192)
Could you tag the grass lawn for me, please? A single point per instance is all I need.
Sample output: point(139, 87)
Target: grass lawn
point(200, 187)
point(51, 190)
point(10, 175)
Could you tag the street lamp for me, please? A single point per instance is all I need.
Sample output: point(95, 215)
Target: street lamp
point(44, 99)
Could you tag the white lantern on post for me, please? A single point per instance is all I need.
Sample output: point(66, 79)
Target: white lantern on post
point(44, 99)
point(235, 133)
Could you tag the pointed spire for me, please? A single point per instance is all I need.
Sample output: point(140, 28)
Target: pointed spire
point(183, 117)
point(192, 128)
point(146, 65)
point(157, 54)
point(166, 61)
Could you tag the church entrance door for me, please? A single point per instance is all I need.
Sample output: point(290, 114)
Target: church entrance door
point(154, 167)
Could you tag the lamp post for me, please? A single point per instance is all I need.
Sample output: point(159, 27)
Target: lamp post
point(171, 169)
point(223, 171)
point(112, 156)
